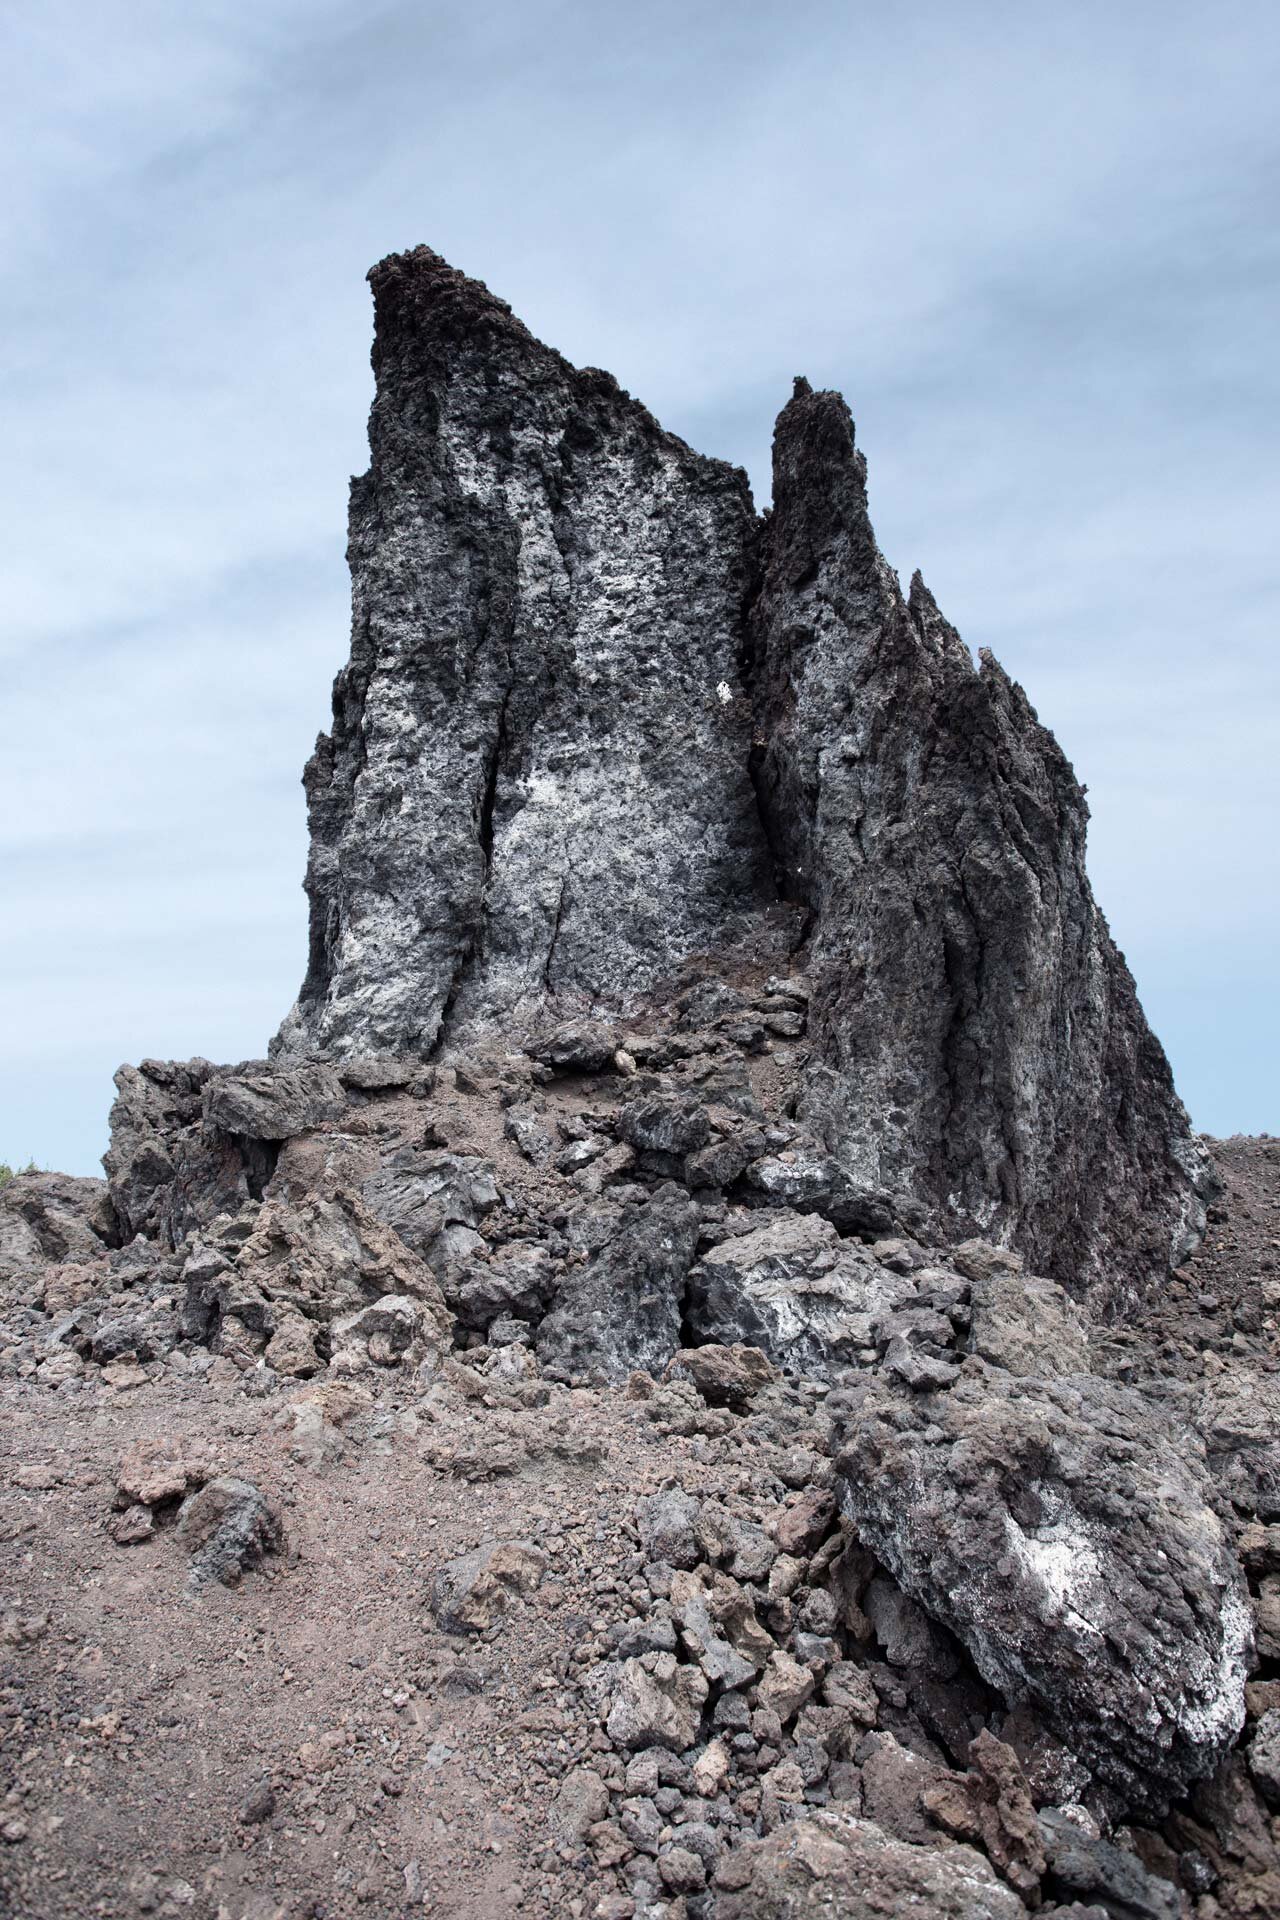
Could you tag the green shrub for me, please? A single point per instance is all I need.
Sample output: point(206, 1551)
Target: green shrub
point(7, 1172)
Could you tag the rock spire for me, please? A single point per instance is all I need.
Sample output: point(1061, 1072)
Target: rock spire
point(601, 723)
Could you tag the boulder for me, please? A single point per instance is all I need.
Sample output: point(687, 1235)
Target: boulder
point(227, 1527)
point(579, 1046)
point(420, 1192)
point(1026, 1324)
point(726, 1376)
point(792, 1288)
point(805, 1177)
point(667, 1521)
point(831, 1865)
point(319, 1260)
point(1084, 1866)
point(516, 1281)
point(664, 1124)
point(1264, 1756)
point(166, 1172)
point(52, 1218)
point(1067, 1535)
point(468, 1594)
point(157, 1473)
point(622, 1310)
point(381, 1334)
point(583, 1799)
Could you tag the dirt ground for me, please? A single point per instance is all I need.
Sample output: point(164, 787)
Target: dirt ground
point(141, 1722)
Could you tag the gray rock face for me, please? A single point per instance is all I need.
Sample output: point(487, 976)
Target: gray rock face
point(421, 1194)
point(599, 718)
point(1068, 1537)
point(1026, 1324)
point(978, 1036)
point(622, 1310)
point(273, 1103)
point(48, 1217)
point(532, 788)
point(1088, 1868)
point(1240, 1422)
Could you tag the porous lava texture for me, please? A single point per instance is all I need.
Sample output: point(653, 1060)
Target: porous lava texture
point(600, 718)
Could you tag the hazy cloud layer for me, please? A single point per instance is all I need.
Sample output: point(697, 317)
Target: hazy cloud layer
point(1035, 248)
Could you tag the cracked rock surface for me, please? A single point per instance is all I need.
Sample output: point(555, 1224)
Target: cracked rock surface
point(599, 718)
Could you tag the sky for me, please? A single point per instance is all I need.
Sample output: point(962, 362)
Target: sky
point(1036, 248)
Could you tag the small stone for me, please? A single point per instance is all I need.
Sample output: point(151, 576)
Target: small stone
point(37, 1477)
point(711, 1769)
point(258, 1805)
point(785, 1687)
point(681, 1870)
point(132, 1526)
point(667, 1522)
point(582, 1801)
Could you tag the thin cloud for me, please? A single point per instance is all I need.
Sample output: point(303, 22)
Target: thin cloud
point(1034, 250)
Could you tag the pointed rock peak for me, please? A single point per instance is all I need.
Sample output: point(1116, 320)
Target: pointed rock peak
point(599, 719)
point(420, 281)
point(819, 480)
point(934, 629)
point(920, 599)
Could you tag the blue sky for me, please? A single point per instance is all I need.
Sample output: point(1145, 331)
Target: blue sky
point(1036, 248)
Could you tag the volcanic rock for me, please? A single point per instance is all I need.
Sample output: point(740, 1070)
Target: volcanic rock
point(555, 604)
point(53, 1217)
point(831, 1864)
point(226, 1527)
point(1068, 1537)
point(622, 1310)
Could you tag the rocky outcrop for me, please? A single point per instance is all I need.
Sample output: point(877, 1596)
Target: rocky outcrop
point(598, 719)
point(53, 1217)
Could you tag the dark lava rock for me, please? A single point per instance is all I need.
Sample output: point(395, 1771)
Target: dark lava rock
point(1067, 1534)
point(227, 1527)
point(599, 718)
point(976, 1035)
point(1079, 1864)
point(621, 1311)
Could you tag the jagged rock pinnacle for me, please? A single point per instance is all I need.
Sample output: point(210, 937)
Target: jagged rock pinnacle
point(600, 720)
